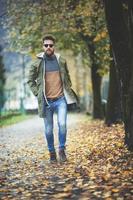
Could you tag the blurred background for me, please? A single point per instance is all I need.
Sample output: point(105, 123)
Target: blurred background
point(80, 30)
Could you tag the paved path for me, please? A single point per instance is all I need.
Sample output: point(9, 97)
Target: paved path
point(98, 166)
point(22, 133)
point(24, 158)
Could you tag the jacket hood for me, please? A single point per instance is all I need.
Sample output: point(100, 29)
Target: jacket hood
point(41, 55)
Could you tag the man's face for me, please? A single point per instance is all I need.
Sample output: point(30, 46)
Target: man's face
point(48, 47)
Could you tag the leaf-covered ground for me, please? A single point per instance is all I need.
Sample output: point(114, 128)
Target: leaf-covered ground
point(99, 167)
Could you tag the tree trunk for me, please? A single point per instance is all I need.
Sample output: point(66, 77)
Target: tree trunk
point(119, 36)
point(130, 19)
point(96, 84)
point(113, 113)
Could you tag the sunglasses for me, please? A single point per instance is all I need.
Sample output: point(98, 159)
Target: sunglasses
point(50, 45)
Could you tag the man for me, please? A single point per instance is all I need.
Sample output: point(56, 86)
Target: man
point(49, 80)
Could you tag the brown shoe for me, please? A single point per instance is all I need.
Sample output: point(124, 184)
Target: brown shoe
point(53, 158)
point(62, 155)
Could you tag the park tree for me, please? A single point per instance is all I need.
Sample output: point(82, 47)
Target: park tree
point(114, 102)
point(92, 30)
point(121, 39)
point(90, 24)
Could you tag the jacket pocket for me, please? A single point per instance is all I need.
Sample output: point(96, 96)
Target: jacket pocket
point(40, 102)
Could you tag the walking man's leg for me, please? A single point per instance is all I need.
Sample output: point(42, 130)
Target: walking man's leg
point(48, 121)
point(62, 127)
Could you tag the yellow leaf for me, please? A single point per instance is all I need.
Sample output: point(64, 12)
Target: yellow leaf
point(115, 190)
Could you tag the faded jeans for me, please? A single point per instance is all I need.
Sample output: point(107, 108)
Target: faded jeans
point(60, 107)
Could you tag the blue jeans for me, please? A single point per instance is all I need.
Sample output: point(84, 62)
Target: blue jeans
point(60, 107)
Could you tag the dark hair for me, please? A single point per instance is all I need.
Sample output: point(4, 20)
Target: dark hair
point(49, 37)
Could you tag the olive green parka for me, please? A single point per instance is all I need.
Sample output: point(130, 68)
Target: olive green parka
point(36, 81)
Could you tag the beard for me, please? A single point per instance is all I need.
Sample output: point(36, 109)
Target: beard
point(49, 52)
